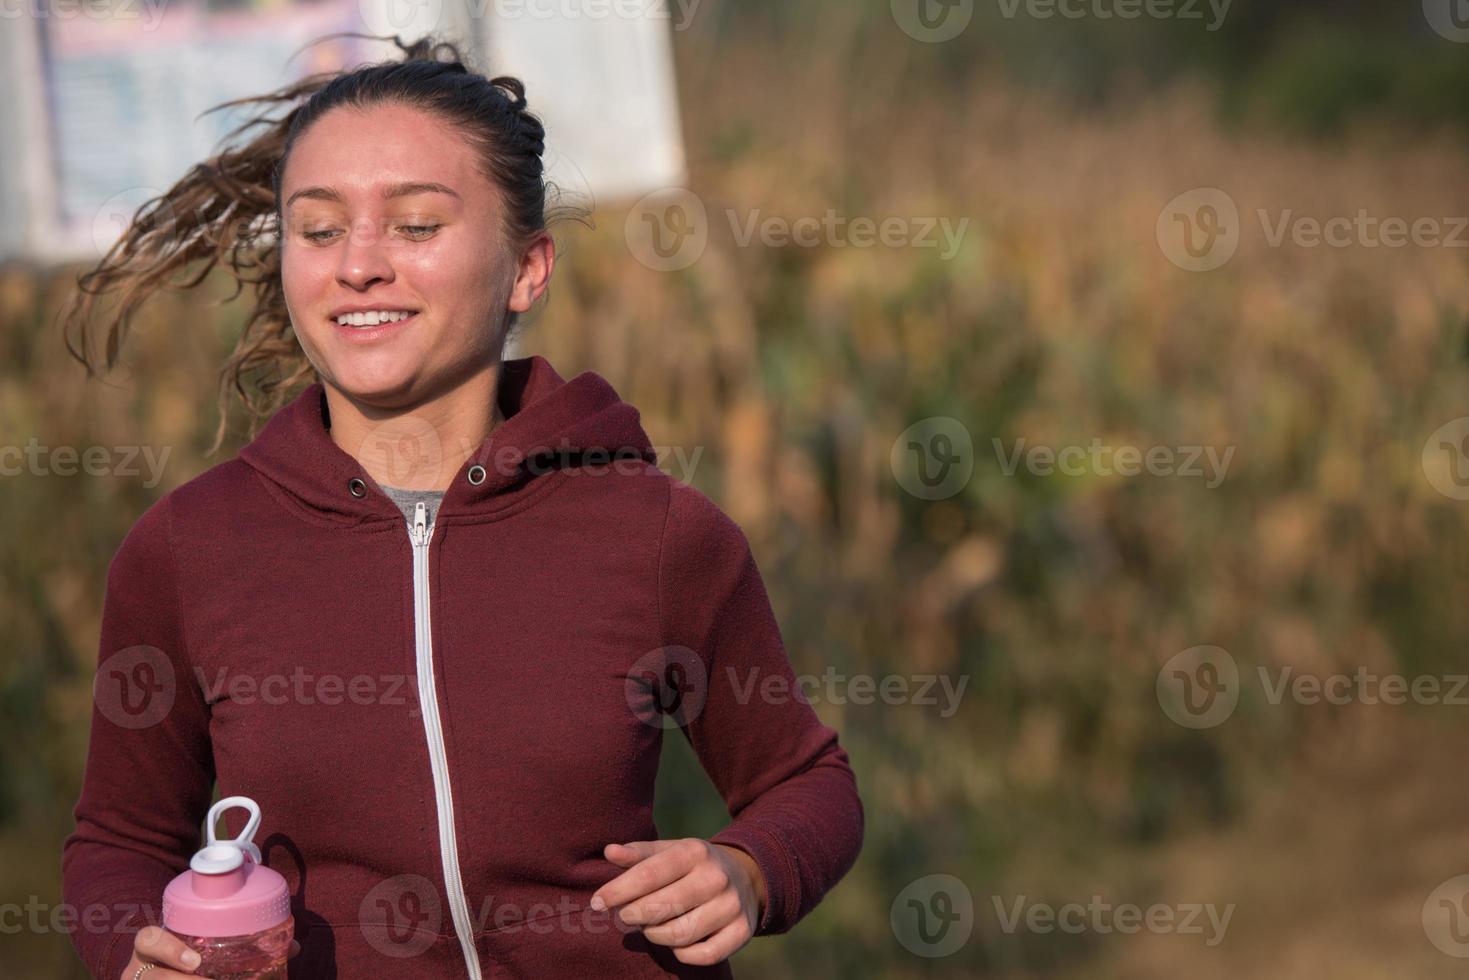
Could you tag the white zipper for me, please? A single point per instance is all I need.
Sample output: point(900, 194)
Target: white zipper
point(428, 702)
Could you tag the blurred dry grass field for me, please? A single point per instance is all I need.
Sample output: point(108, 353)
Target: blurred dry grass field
point(1059, 321)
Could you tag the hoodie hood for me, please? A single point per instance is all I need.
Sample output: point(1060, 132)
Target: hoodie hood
point(550, 424)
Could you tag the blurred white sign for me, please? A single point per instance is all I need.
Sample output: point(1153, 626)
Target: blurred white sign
point(107, 101)
point(600, 76)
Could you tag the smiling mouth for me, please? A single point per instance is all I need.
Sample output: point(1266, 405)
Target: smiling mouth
point(375, 318)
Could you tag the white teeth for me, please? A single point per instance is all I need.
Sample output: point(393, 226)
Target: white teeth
point(372, 318)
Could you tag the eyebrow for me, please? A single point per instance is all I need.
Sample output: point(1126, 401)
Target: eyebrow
point(392, 190)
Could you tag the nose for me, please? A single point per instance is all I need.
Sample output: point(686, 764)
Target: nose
point(365, 257)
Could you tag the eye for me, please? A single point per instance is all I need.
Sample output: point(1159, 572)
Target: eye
point(419, 231)
point(317, 236)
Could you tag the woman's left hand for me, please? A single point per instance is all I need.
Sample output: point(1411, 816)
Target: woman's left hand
point(702, 899)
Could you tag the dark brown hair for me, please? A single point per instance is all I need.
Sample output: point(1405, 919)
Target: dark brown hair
point(228, 209)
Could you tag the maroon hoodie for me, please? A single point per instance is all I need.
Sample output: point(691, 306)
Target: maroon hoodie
point(444, 725)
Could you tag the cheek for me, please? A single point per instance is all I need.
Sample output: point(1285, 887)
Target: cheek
point(492, 276)
point(440, 267)
point(293, 277)
point(306, 278)
point(303, 270)
point(448, 279)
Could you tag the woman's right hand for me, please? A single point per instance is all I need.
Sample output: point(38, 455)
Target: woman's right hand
point(172, 955)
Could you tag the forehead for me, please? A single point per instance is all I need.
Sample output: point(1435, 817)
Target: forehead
point(357, 152)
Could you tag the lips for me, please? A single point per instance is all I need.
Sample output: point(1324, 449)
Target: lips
point(369, 333)
point(370, 318)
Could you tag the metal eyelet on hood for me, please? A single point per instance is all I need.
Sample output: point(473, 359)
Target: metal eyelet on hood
point(584, 415)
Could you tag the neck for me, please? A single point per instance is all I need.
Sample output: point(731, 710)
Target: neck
point(420, 446)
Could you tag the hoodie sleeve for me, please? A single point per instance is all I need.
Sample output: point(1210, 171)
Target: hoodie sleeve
point(783, 775)
point(149, 771)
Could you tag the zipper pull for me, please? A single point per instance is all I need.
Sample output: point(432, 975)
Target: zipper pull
point(420, 522)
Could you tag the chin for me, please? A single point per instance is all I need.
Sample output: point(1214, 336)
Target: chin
point(378, 381)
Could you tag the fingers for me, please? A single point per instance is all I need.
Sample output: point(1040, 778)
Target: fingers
point(667, 865)
point(702, 884)
point(693, 926)
point(627, 855)
point(157, 973)
point(157, 945)
point(718, 947)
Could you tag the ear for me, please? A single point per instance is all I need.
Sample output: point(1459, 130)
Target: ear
point(533, 273)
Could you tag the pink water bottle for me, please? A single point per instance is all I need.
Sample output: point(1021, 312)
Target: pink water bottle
point(231, 910)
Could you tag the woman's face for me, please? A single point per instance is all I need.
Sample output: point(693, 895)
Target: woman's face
point(385, 210)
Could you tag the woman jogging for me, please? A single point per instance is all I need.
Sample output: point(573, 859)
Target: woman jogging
point(439, 613)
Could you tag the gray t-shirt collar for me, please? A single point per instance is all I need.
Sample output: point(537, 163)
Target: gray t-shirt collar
point(406, 499)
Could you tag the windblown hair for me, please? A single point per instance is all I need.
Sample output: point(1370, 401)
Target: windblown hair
point(228, 210)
